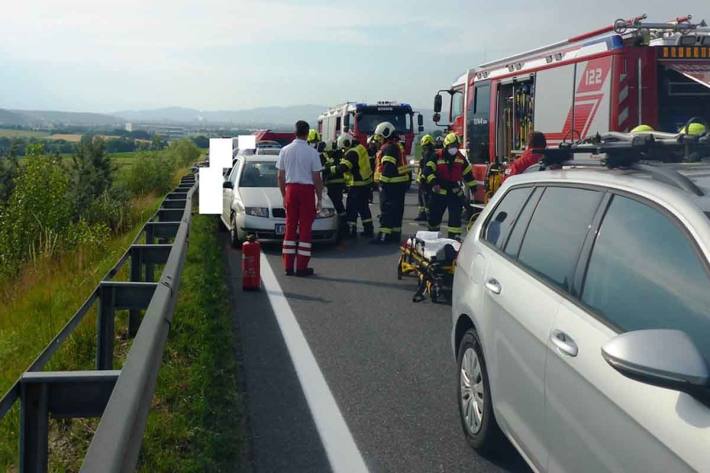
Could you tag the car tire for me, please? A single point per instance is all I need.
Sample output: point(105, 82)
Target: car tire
point(234, 233)
point(474, 396)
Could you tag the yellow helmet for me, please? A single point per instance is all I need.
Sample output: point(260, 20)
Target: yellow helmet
point(642, 129)
point(451, 139)
point(427, 140)
point(313, 136)
point(694, 129)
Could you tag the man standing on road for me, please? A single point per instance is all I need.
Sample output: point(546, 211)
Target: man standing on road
point(301, 186)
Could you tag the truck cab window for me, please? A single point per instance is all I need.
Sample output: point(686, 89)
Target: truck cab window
point(456, 105)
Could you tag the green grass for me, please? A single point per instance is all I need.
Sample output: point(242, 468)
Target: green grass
point(196, 421)
point(12, 133)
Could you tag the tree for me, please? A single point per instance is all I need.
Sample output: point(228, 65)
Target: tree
point(157, 142)
point(92, 172)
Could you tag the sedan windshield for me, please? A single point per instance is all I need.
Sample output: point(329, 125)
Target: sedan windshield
point(259, 174)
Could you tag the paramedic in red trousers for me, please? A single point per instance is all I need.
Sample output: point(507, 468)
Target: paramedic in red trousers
point(445, 176)
point(299, 169)
point(531, 156)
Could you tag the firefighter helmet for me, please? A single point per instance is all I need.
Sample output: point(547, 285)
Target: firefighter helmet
point(642, 129)
point(451, 139)
point(385, 130)
point(693, 129)
point(345, 140)
point(427, 140)
point(313, 136)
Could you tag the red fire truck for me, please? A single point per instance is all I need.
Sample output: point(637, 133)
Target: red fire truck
point(360, 120)
point(611, 79)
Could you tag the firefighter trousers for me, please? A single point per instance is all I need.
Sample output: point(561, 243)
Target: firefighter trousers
point(358, 204)
point(438, 205)
point(424, 195)
point(300, 204)
point(392, 203)
point(335, 192)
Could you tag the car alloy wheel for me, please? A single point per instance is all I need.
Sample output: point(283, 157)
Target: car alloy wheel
point(471, 391)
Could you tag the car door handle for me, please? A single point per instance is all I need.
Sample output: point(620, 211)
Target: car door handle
point(493, 286)
point(564, 343)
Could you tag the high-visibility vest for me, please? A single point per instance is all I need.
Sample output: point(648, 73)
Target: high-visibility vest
point(363, 166)
point(403, 169)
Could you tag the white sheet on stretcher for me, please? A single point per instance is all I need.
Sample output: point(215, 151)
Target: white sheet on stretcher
point(433, 243)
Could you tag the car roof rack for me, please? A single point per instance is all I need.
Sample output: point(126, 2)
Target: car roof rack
point(635, 151)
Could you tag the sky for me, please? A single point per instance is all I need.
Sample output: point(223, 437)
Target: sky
point(107, 55)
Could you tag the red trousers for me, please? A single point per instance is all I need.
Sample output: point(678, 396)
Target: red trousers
point(300, 204)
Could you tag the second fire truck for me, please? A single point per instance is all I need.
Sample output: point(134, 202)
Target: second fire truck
point(360, 120)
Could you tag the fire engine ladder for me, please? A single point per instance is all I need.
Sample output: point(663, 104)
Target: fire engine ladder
point(639, 27)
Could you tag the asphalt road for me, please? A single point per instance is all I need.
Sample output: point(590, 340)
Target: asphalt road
point(386, 360)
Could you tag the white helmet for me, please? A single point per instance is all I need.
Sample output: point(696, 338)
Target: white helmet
point(385, 130)
point(345, 140)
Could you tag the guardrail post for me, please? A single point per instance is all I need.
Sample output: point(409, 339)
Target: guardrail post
point(134, 315)
point(105, 328)
point(149, 267)
point(34, 428)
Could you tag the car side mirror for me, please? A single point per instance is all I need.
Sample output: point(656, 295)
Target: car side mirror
point(227, 185)
point(664, 358)
point(420, 123)
point(436, 117)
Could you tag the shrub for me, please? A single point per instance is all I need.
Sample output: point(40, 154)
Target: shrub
point(184, 152)
point(92, 173)
point(151, 172)
point(38, 212)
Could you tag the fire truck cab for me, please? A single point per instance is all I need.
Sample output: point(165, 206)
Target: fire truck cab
point(611, 79)
point(360, 120)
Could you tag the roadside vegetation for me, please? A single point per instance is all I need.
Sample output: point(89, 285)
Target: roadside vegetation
point(63, 223)
point(196, 423)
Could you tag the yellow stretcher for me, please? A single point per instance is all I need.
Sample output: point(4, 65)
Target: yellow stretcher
point(435, 274)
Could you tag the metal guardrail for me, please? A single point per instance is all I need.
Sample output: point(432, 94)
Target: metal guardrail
point(121, 398)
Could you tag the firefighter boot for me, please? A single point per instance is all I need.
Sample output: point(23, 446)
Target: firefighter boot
point(422, 217)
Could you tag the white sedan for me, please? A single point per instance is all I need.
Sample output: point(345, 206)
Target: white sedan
point(253, 204)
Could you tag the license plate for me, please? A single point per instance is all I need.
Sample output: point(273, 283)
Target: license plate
point(280, 228)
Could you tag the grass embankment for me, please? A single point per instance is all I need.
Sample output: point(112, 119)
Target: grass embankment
point(196, 421)
point(34, 307)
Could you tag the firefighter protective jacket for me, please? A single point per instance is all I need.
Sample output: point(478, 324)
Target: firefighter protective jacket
point(355, 167)
point(428, 155)
point(393, 165)
point(331, 173)
point(448, 172)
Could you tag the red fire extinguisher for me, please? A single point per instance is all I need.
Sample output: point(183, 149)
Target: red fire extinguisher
point(251, 255)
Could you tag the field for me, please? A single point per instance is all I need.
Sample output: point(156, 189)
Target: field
point(12, 133)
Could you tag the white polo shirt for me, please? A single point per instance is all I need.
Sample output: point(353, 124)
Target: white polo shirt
point(299, 161)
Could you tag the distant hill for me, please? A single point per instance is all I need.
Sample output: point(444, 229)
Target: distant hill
point(49, 119)
point(254, 116)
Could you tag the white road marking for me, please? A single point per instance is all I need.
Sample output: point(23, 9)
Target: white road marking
point(343, 454)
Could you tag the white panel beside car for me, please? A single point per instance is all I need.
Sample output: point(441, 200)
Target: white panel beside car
point(581, 322)
point(253, 202)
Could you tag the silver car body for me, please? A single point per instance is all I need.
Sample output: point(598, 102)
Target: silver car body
point(575, 413)
point(236, 200)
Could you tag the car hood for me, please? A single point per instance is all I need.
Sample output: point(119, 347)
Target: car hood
point(269, 197)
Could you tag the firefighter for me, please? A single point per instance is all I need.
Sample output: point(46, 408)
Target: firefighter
point(313, 138)
point(428, 155)
point(334, 182)
point(531, 156)
point(394, 175)
point(693, 129)
point(373, 146)
point(642, 129)
point(450, 169)
point(356, 170)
